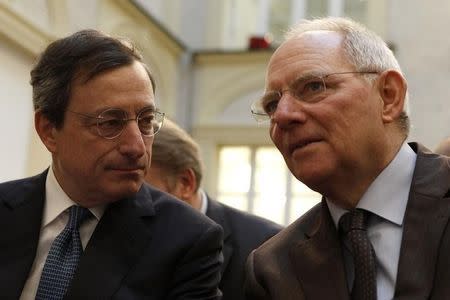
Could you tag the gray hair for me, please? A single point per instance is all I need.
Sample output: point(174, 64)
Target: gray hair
point(174, 150)
point(364, 49)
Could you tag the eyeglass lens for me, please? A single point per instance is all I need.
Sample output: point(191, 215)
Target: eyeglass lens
point(111, 122)
point(309, 90)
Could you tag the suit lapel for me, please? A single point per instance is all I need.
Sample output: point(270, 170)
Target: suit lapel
point(426, 217)
point(20, 217)
point(116, 245)
point(318, 260)
point(216, 213)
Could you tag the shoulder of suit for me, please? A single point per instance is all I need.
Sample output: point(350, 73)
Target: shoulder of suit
point(162, 199)
point(23, 182)
point(431, 173)
point(294, 232)
point(247, 220)
point(10, 189)
point(167, 206)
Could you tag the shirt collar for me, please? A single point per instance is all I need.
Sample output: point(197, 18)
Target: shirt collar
point(387, 196)
point(57, 200)
point(204, 200)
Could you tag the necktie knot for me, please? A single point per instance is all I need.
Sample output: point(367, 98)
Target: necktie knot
point(354, 220)
point(77, 215)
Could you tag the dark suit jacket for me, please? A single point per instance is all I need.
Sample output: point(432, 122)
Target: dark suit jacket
point(151, 246)
point(243, 232)
point(305, 261)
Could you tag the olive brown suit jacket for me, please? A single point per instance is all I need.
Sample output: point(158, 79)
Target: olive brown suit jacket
point(304, 261)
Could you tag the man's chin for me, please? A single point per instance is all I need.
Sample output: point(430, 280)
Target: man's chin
point(311, 179)
point(122, 190)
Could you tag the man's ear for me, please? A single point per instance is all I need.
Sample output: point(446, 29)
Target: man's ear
point(187, 183)
point(392, 88)
point(46, 131)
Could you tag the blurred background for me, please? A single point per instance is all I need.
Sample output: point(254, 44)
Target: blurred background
point(209, 59)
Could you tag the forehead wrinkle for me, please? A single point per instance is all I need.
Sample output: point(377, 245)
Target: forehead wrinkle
point(313, 65)
point(313, 52)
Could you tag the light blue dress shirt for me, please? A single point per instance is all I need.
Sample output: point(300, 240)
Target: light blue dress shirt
point(386, 198)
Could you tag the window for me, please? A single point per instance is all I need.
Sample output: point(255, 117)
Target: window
point(256, 179)
point(284, 13)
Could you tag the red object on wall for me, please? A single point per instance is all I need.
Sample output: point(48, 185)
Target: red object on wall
point(259, 42)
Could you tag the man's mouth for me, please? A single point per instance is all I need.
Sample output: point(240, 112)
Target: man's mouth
point(302, 144)
point(126, 168)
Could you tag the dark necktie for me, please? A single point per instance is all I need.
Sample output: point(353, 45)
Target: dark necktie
point(63, 257)
point(353, 227)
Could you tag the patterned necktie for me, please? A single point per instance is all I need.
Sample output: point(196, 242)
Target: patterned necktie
point(63, 257)
point(353, 226)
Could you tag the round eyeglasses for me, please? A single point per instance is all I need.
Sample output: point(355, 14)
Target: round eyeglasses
point(307, 88)
point(111, 122)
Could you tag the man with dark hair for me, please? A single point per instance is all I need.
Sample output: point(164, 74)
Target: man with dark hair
point(88, 227)
point(177, 168)
point(336, 101)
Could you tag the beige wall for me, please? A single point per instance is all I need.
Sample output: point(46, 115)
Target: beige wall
point(160, 52)
point(209, 92)
point(20, 42)
point(419, 30)
point(24, 33)
point(223, 79)
point(16, 109)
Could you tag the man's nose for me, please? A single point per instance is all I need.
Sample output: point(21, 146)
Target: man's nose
point(132, 142)
point(289, 111)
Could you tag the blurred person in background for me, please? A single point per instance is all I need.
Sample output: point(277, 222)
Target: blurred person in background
point(443, 147)
point(177, 168)
point(88, 227)
point(336, 100)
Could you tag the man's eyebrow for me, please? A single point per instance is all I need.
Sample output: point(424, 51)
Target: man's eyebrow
point(150, 106)
point(307, 76)
point(302, 77)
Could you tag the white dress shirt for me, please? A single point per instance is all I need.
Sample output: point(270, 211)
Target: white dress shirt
point(386, 198)
point(204, 199)
point(54, 219)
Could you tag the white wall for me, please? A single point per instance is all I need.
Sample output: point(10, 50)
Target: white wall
point(222, 88)
point(16, 111)
point(22, 153)
point(36, 11)
point(420, 34)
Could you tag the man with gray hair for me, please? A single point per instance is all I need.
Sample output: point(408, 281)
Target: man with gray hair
point(443, 147)
point(177, 168)
point(336, 101)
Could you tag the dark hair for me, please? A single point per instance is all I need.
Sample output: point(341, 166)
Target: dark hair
point(86, 54)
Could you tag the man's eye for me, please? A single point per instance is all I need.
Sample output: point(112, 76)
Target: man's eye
point(146, 121)
point(110, 123)
point(270, 105)
point(309, 90)
point(314, 86)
